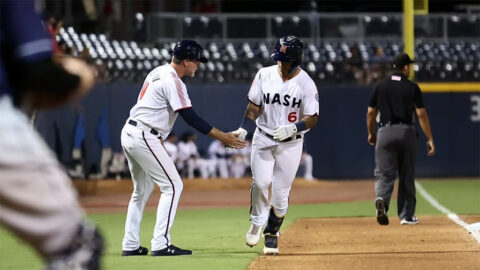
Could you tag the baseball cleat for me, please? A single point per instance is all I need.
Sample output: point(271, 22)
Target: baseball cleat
point(382, 217)
point(137, 252)
point(171, 251)
point(253, 235)
point(409, 221)
point(271, 245)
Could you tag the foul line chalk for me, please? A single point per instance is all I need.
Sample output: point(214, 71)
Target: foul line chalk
point(473, 229)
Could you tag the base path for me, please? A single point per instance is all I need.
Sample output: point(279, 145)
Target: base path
point(326, 243)
point(360, 243)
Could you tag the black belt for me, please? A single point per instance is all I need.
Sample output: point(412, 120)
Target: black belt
point(286, 140)
point(391, 123)
point(134, 123)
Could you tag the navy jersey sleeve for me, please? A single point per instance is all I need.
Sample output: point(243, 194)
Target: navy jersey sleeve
point(418, 98)
point(192, 119)
point(374, 98)
point(26, 55)
point(23, 31)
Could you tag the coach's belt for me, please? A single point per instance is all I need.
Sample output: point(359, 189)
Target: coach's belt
point(286, 140)
point(391, 123)
point(135, 124)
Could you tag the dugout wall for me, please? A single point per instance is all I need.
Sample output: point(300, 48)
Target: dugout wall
point(338, 144)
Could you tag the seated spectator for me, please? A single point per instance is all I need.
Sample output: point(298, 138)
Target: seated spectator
point(219, 158)
point(240, 161)
point(306, 166)
point(190, 159)
point(377, 66)
point(354, 65)
point(171, 147)
point(118, 166)
point(53, 26)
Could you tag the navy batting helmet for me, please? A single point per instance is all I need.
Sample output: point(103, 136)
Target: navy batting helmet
point(189, 50)
point(289, 49)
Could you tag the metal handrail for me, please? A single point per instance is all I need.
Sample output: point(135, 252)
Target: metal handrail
point(155, 35)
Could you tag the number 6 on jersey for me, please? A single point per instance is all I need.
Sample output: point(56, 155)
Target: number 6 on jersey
point(292, 117)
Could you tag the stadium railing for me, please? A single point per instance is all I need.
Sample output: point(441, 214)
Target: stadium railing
point(312, 27)
point(340, 48)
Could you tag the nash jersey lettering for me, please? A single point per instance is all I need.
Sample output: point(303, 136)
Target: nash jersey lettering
point(282, 102)
point(163, 94)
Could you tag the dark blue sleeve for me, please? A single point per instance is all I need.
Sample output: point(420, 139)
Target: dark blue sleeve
point(23, 30)
point(192, 119)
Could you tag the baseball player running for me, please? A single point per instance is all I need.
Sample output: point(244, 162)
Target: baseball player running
point(283, 106)
point(162, 97)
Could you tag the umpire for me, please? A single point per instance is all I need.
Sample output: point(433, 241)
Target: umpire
point(396, 99)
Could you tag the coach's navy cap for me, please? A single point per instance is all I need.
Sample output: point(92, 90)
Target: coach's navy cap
point(189, 50)
point(401, 60)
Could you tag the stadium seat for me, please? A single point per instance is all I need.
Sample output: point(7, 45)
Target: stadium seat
point(238, 61)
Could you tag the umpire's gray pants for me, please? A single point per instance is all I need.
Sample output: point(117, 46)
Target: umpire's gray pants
point(396, 151)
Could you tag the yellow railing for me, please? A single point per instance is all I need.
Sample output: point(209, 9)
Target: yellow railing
point(450, 87)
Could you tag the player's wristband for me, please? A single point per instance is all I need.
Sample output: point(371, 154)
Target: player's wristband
point(301, 125)
point(249, 125)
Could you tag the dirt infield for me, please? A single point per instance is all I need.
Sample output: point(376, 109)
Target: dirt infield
point(359, 243)
point(112, 195)
point(327, 243)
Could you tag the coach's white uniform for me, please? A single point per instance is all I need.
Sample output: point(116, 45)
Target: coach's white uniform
point(276, 162)
point(162, 95)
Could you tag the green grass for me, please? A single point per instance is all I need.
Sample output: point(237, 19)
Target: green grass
point(217, 235)
point(462, 196)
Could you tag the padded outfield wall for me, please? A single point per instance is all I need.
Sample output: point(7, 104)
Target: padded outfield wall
point(338, 144)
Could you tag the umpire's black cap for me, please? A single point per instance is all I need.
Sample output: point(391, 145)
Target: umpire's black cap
point(401, 60)
point(189, 50)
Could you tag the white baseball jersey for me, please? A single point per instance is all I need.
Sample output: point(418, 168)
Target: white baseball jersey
point(163, 94)
point(186, 150)
point(283, 102)
point(218, 158)
point(217, 150)
point(276, 163)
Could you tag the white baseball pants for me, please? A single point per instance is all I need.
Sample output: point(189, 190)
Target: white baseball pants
point(37, 200)
point(221, 164)
point(149, 164)
point(205, 167)
point(274, 163)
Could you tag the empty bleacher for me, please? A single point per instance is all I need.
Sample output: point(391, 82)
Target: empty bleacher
point(326, 62)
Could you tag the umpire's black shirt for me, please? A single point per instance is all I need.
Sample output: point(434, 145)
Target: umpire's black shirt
point(396, 99)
